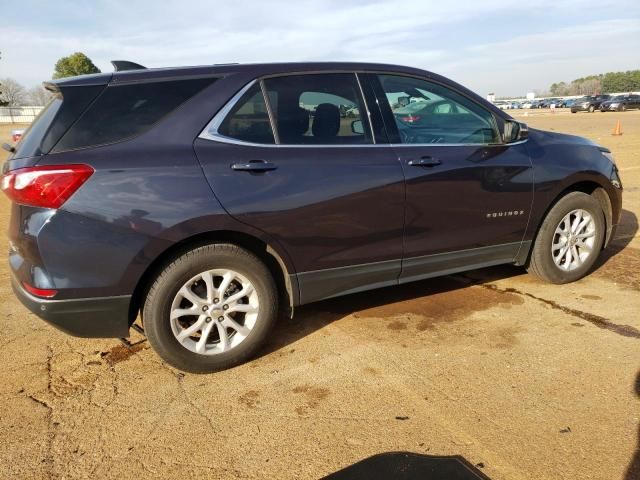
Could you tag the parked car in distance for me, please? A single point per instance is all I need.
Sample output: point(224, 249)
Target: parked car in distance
point(418, 112)
point(546, 103)
point(621, 103)
point(568, 103)
point(210, 200)
point(589, 103)
point(527, 104)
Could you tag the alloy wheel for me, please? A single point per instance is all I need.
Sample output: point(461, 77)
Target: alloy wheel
point(214, 311)
point(573, 240)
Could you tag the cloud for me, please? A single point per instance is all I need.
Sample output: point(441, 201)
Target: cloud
point(495, 45)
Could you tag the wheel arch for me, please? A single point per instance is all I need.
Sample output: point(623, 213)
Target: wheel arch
point(286, 281)
point(591, 187)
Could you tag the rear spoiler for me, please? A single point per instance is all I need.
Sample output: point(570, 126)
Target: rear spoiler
point(92, 79)
point(123, 65)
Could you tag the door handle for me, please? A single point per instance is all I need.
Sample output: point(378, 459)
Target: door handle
point(424, 162)
point(254, 166)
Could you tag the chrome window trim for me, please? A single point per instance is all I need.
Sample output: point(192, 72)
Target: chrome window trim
point(210, 131)
point(272, 121)
point(366, 109)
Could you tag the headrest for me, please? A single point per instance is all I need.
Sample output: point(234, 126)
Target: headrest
point(293, 124)
point(326, 121)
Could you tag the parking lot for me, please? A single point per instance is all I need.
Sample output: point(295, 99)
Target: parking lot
point(523, 379)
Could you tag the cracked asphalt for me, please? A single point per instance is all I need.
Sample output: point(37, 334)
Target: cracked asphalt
point(525, 380)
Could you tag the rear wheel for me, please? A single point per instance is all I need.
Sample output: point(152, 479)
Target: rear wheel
point(569, 240)
point(210, 308)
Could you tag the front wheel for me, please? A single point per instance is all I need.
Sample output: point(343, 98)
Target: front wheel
point(210, 308)
point(591, 109)
point(569, 240)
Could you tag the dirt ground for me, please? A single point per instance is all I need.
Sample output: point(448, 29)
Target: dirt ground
point(523, 379)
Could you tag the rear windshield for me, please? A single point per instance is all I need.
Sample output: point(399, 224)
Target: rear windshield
point(123, 111)
point(54, 120)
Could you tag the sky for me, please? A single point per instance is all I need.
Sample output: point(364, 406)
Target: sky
point(504, 47)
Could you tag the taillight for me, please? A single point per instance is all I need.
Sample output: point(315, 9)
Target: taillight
point(410, 118)
point(40, 292)
point(47, 186)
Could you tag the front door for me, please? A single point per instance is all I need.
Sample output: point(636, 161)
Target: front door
point(468, 194)
point(316, 183)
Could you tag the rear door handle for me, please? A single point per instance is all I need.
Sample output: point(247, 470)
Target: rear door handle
point(424, 162)
point(254, 166)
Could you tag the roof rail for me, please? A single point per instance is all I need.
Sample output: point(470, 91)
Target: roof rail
point(122, 65)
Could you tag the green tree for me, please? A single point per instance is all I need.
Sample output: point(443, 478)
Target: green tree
point(76, 64)
point(621, 81)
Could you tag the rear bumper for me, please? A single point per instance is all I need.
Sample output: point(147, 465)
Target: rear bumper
point(105, 317)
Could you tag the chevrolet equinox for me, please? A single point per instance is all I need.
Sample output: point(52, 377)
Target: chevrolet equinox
point(208, 199)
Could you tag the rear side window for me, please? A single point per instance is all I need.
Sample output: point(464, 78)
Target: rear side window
point(318, 109)
point(248, 121)
point(123, 111)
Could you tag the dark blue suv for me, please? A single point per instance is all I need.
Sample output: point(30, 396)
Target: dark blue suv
point(209, 199)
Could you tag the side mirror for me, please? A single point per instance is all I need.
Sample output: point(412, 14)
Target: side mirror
point(357, 127)
point(515, 131)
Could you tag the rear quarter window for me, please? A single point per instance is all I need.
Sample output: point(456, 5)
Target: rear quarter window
point(124, 111)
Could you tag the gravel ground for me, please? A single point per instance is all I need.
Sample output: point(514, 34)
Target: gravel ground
point(524, 379)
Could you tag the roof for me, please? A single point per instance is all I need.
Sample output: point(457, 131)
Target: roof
point(256, 69)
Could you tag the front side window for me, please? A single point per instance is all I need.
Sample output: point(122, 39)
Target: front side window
point(426, 112)
point(318, 109)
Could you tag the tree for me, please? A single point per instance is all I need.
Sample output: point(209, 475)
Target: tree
point(12, 92)
point(621, 81)
point(559, 89)
point(3, 103)
point(76, 64)
point(603, 83)
point(38, 96)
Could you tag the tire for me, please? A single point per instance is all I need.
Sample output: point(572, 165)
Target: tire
point(165, 299)
point(591, 109)
point(623, 108)
point(542, 263)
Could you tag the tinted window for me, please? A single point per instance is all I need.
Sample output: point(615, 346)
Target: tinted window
point(248, 120)
point(63, 109)
point(122, 111)
point(426, 112)
point(322, 109)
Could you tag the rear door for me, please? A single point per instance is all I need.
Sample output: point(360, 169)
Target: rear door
point(468, 194)
point(303, 167)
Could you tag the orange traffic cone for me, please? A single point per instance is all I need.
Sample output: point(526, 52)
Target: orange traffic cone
point(618, 130)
